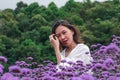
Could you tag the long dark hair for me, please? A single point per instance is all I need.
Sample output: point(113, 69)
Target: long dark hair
point(76, 36)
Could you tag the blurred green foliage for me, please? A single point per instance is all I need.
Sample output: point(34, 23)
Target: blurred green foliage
point(25, 30)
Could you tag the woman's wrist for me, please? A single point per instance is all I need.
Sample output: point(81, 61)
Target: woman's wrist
point(57, 49)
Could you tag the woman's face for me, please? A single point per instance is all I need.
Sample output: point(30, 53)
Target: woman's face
point(64, 35)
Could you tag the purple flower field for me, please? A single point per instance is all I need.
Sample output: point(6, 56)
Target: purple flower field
point(105, 66)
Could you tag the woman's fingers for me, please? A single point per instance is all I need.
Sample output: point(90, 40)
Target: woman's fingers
point(52, 37)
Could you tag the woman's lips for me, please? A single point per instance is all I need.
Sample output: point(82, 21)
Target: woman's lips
point(65, 41)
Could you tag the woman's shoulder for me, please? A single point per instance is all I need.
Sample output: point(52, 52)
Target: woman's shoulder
point(82, 45)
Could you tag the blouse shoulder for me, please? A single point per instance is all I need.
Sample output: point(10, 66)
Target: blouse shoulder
point(83, 46)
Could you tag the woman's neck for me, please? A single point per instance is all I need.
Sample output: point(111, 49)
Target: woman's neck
point(71, 47)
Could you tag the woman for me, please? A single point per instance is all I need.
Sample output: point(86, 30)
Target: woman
point(65, 39)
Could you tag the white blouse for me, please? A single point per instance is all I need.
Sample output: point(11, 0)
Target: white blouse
point(80, 52)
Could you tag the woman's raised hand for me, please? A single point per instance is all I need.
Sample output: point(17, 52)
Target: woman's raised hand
point(54, 41)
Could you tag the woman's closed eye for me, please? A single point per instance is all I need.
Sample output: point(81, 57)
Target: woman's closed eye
point(64, 32)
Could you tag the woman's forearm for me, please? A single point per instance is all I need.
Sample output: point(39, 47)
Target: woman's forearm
point(55, 44)
point(58, 56)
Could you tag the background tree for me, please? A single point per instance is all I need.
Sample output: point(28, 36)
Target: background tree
point(51, 12)
point(20, 7)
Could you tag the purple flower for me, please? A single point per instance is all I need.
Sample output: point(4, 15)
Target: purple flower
point(15, 69)
point(97, 66)
point(49, 78)
point(1, 66)
point(47, 61)
point(40, 65)
point(75, 78)
point(26, 71)
point(103, 47)
point(6, 76)
point(70, 62)
point(105, 74)
point(61, 67)
point(101, 61)
point(112, 78)
point(87, 77)
point(69, 69)
point(118, 38)
point(118, 74)
point(109, 62)
point(1, 70)
point(114, 40)
point(63, 61)
point(27, 65)
point(112, 48)
point(13, 78)
point(3, 59)
point(88, 66)
point(79, 62)
point(113, 36)
point(87, 52)
point(59, 74)
point(117, 78)
point(30, 58)
point(26, 78)
point(34, 63)
point(17, 62)
point(69, 74)
point(99, 44)
point(20, 63)
point(93, 46)
point(101, 51)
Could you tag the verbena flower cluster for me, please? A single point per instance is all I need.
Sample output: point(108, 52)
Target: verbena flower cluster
point(105, 66)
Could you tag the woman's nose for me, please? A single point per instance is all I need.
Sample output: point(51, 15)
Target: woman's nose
point(62, 36)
